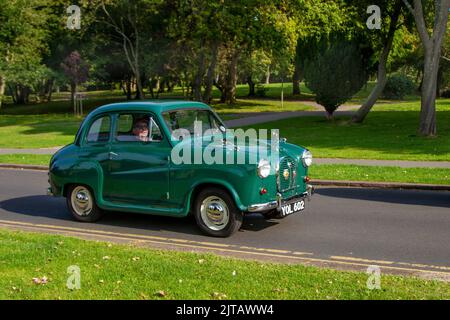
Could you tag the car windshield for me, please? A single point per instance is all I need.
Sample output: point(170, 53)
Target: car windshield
point(185, 118)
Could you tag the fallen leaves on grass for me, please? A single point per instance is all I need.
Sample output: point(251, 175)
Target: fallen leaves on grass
point(160, 293)
point(42, 280)
point(218, 295)
point(279, 290)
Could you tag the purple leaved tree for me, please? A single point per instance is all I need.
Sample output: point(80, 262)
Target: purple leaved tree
point(77, 70)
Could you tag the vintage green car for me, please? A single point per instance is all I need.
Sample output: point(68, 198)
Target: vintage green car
point(122, 159)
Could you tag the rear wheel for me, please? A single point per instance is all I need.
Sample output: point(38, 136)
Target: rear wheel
point(81, 203)
point(216, 213)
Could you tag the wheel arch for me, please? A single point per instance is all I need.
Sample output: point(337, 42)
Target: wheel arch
point(195, 190)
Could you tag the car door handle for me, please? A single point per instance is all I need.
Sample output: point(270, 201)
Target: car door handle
point(112, 154)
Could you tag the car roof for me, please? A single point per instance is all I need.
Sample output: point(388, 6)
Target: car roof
point(156, 107)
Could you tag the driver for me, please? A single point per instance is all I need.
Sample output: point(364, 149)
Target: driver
point(140, 129)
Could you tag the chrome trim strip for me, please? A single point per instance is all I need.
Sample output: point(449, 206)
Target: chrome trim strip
point(262, 206)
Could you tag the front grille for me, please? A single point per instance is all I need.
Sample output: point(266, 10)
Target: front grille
point(287, 175)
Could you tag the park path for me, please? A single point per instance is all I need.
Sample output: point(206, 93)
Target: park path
point(251, 119)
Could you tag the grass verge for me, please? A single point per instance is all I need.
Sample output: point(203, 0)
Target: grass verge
point(112, 271)
point(35, 159)
point(380, 174)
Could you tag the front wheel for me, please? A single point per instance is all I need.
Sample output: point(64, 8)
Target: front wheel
point(81, 203)
point(216, 213)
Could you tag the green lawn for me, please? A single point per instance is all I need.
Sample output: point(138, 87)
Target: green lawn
point(112, 271)
point(36, 159)
point(389, 132)
point(380, 174)
point(37, 131)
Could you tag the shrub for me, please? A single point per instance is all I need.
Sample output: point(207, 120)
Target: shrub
point(335, 74)
point(261, 90)
point(398, 86)
point(445, 93)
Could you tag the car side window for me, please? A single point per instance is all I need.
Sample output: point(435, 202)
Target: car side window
point(100, 130)
point(137, 128)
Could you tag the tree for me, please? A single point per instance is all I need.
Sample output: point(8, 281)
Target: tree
point(432, 44)
point(135, 24)
point(315, 20)
point(336, 74)
point(391, 14)
point(76, 69)
point(22, 43)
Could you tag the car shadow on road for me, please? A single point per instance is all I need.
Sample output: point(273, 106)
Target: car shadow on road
point(409, 197)
point(55, 208)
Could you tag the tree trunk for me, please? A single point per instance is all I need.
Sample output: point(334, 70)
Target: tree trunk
point(427, 126)
point(268, 75)
point(73, 91)
point(2, 89)
point(210, 74)
point(231, 80)
point(50, 89)
point(381, 74)
point(22, 93)
point(432, 46)
point(251, 86)
point(128, 89)
point(197, 83)
point(296, 80)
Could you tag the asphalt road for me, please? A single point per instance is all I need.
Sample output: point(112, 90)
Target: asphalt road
point(398, 228)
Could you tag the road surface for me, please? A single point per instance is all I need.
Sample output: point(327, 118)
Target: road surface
point(403, 231)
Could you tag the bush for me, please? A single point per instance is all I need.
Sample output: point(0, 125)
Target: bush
point(398, 86)
point(261, 90)
point(445, 93)
point(335, 74)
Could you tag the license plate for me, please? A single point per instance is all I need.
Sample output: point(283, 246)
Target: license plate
point(292, 207)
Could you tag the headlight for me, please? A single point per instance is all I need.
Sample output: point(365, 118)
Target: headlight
point(263, 168)
point(307, 158)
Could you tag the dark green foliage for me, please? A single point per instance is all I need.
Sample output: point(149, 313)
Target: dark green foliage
point(336, 74)
point(445, 93)
point(261, 90)
point(398, 86)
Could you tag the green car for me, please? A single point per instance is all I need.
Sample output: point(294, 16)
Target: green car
point(137, 157)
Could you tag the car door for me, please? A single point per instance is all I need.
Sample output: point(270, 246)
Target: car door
point(138, 171)
point(94, 149)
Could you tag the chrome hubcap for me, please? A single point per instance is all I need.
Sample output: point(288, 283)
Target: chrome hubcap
point(214, 212)
point(81, 200)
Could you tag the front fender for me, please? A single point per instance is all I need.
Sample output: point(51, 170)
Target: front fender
point(219, 182)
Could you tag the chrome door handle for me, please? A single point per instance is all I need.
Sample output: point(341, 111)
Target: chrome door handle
point(111, 154)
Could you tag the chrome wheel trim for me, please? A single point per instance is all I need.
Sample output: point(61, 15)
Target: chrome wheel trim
point(214, 213)
point(82, 201)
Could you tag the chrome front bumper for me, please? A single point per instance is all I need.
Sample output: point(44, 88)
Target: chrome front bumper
point(276, 204)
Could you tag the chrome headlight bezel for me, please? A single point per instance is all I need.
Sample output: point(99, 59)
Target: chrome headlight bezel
point(263, 168)
point(306, 158)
